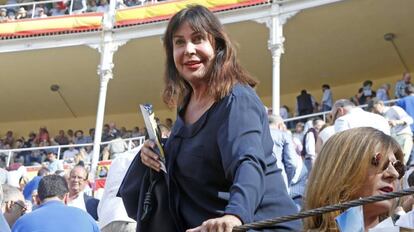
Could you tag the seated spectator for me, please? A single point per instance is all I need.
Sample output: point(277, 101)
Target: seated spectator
point(383, 93)
point(62, 139)
point(3, 15)
point(41, 13)
point(34, 183)
point(59, 8)
point(130, 2)
point(11, 16)
point(22, 13)
point(355, 163)
point(91, 6)
point(42, 136)
point(103, 6)
point(54, 163)
point(9, 139)
point(78, 6)
point(13, 205)
point(71, 137)
point(78, 180)
point(69, 155)
point(91, 135)
point(52, 214)
point(136, 132)
point(80, 139)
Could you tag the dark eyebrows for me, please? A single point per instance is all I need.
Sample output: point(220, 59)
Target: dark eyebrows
point(192, 34)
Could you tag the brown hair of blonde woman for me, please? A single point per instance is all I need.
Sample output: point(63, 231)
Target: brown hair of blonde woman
point(224, 71)
point(341, 170)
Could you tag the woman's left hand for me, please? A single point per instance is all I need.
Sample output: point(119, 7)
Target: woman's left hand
point(221, 224)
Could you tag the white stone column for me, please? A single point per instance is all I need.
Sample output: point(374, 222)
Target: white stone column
point(107, 48)
point(275, 45)
point(275, 23)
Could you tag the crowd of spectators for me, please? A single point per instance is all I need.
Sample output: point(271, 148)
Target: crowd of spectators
point(59, 8)
point(74, 138)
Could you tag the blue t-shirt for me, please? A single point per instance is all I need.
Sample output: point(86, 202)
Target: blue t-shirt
point(55, 216)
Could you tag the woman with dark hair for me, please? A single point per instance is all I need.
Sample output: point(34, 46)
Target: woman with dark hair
point(220, 169)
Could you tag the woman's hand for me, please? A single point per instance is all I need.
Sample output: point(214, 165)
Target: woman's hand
point(148, 157)
point(221, 224)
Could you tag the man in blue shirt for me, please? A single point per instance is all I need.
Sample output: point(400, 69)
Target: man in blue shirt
point(52, 192)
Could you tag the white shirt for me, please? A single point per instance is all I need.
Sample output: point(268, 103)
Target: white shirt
point(78, 202)
point(326, 133)
point(357, 117)
point(68, 154)
point(111, 208)
point(310, 148)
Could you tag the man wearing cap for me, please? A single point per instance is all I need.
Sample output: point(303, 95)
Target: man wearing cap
point(52, 193)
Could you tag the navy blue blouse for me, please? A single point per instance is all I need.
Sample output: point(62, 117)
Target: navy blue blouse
point(223, 164)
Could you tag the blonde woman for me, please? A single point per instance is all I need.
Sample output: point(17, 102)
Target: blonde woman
point(355, 163)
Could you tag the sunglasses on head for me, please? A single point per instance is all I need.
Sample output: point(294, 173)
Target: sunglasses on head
point(398, 165)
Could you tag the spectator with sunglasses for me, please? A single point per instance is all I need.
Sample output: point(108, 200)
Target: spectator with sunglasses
point(355, 163)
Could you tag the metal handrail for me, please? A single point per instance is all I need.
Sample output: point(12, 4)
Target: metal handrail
point(33, 4)
point(10, 152)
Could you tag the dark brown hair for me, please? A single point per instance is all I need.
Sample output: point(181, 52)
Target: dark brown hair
point(225, 70)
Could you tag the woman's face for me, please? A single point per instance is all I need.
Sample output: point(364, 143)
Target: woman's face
point(192, 51)
point(380, 180)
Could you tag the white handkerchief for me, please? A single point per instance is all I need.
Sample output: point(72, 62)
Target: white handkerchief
point(406, 220)
point(385, 226)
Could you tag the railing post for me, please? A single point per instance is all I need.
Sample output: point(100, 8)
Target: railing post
point(129, 144)
point(58, 153)
point(71, 7)
point(9, 158)
point(34, 10)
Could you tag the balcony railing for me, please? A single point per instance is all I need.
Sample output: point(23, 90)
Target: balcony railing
point(129, 141)
point(59, 7)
